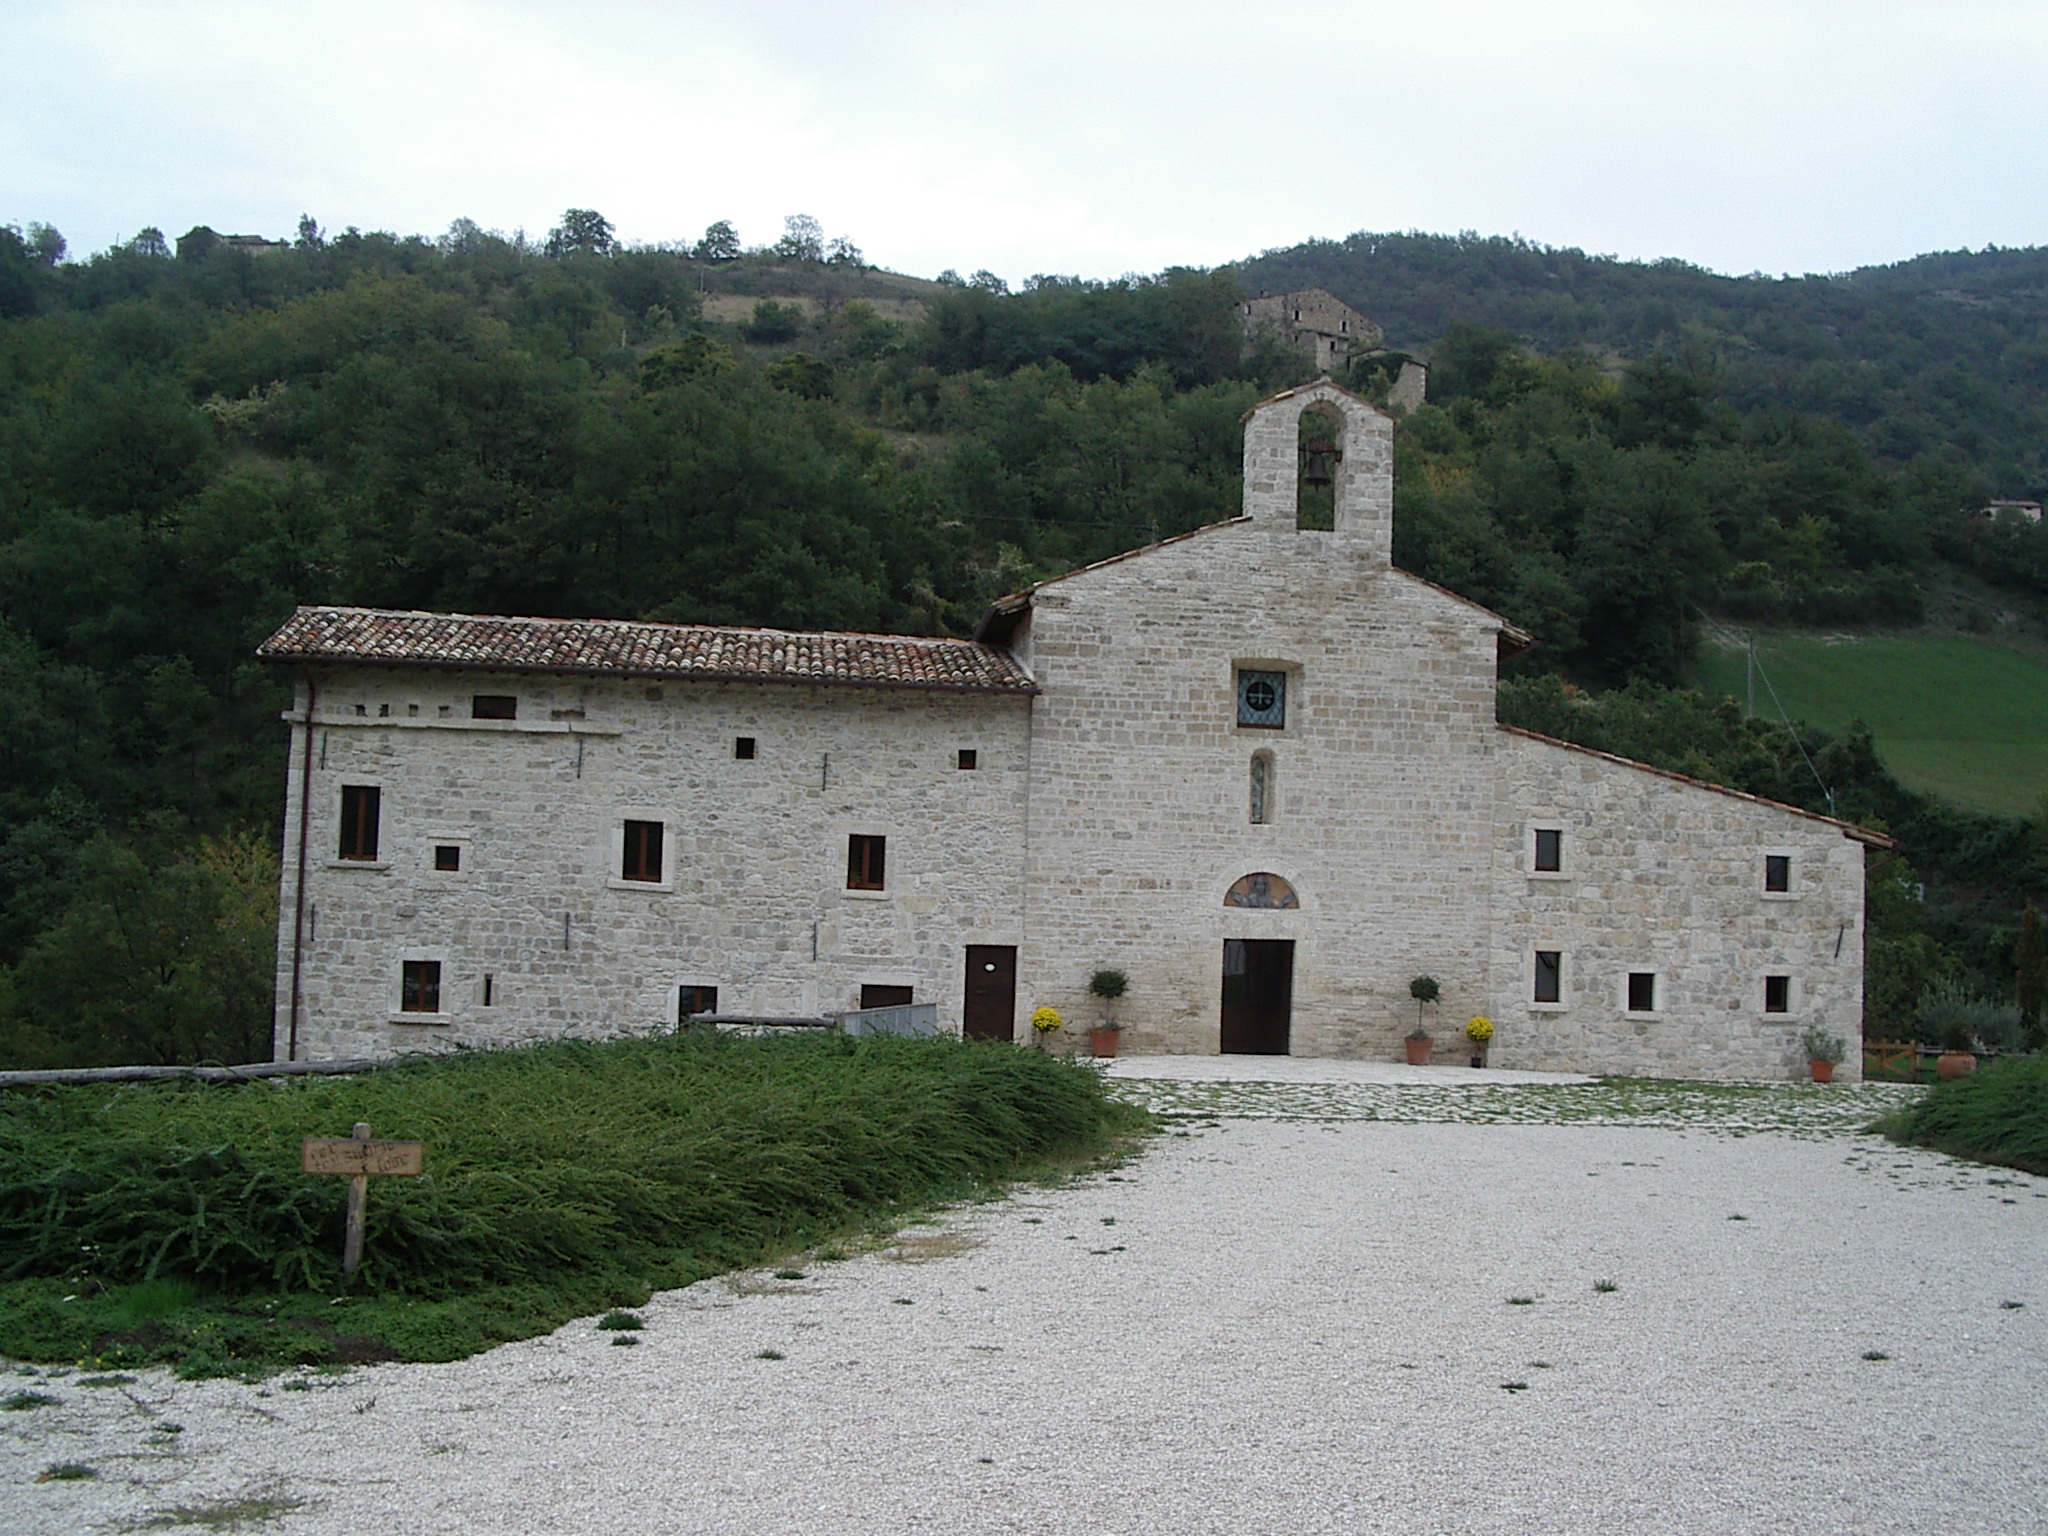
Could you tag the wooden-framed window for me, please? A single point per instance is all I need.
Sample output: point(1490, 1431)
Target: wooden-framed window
point(1642, 991)
point(1778, 873)
point(640, 857)
point(448, 857)
point(867, 862)
point(1549, 976)
point(419, 988)
point(1549, 858)
point(967, 760)
point(361, 806)
point(743, 748)
point(494, 706)
point(1777, 994)
point(882, 995)
point(693, 1000)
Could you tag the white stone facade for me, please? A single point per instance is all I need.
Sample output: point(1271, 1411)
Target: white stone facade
point(1106, 818)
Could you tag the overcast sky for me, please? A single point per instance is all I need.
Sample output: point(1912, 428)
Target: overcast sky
point(1095, 137)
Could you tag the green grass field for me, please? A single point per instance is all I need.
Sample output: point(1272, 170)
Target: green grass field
point(1960, 718)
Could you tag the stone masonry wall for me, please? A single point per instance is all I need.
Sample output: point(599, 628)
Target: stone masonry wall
point(753, 899)
point(1667, 877)
point(1139, 817)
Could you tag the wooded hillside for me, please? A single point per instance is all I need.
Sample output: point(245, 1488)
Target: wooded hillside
point(191, 444)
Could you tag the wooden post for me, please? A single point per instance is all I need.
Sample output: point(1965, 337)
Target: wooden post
point(357, 1158)
point(358, 1203)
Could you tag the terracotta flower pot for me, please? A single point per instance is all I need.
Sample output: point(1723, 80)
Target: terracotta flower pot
point(1951, 1065)
point(1823, 1071)
point(1103, 1041)
point(1418, 1050)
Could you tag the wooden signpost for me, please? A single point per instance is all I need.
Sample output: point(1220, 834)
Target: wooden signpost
point(357, 1158)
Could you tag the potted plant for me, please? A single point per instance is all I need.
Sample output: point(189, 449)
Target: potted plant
point(1425, 991)
point(1823, 1050)
point(1108, 986)
point(1958, 1056)
point(1043, 1022)
point(1479, 1031)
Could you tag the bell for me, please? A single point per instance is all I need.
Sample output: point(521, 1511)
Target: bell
point(1318, 462)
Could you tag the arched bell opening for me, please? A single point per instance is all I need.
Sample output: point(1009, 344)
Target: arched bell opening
point(1319, 450)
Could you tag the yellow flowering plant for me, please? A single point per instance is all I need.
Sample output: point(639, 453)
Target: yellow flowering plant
point(1480, 1030)
point(1045, 1020)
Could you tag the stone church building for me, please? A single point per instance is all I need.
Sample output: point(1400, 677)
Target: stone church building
point(1255, 767)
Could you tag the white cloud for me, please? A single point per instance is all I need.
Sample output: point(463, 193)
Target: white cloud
point(1057, 137)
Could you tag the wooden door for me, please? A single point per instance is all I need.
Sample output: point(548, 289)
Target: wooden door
point(1258, 996)
point(990, 1011)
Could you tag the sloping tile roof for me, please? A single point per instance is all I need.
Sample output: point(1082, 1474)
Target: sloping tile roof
point(1848, 829)
point(597, 647)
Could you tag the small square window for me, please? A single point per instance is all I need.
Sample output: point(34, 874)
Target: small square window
point(420, 987)
point(968, 759)
point(1549, 975)
point(1778, 872)
point(1777, 994)
point(448, 856)
point(743, 748)
point(494, 706)
point(1262, 700)
point(1549, 850)
point(691, 1001)
point(641, 854)
point(866, 862)
point(360, 806)
point(1642, 991)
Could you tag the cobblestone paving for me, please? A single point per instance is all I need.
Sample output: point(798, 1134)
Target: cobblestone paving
point(1733, 1108)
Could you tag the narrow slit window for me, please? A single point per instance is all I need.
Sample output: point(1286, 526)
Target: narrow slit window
point(420, 987)
point(448, 856)
point(1777, 994)
point(1778, 872)
point(968, 760)
point(1549, 975)
point(361, 805)
point(691, 1001)
point(487, 989)
point(1262, 788)
point(1549, 850)
point(494, 706)
point(867, 862)
point(743, 748)
point(641, 858)
point(1642, 991)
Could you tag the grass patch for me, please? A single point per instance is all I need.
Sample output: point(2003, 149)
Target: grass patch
point(227, 1514)
point(22, 1402)
point(67, 1472)
point(1998, 1114)
point(168, 1222)
point(620, 1322)
point(1960, 718)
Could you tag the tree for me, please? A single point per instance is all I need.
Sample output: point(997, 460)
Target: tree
point(311, 236)
point(773, 323)
point(583, 231)
point(149, 241)
point(721, 242)
point(2030, 958)
point(842, 252)
point(803, 239)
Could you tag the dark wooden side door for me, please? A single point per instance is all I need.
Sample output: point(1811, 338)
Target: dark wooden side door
point(991, 1008)
point(1258, 996)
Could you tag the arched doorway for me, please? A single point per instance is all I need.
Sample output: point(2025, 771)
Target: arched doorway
point(1258, 974)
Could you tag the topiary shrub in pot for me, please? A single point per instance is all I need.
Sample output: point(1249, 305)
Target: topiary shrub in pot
point(1107, 985)
point(1418, 1042)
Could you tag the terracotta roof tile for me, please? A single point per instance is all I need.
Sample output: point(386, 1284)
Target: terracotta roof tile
point(381, 637)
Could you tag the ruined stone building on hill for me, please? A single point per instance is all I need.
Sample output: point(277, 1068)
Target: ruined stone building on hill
point(1255, 767)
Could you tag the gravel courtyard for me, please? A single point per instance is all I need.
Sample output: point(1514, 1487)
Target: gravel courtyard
point(1341, 1298)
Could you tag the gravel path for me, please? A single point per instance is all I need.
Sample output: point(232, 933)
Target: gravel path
point(1316, 1311)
